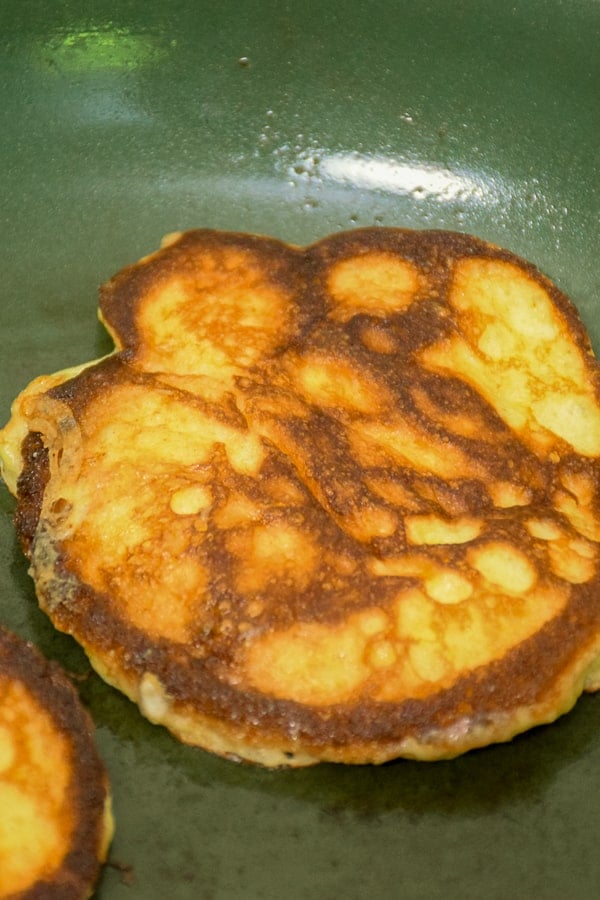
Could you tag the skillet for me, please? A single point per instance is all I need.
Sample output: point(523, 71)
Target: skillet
point(130, 120)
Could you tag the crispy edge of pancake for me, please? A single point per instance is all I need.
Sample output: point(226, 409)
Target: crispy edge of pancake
point(89, 796)
point(477, 711)
point(273, 750)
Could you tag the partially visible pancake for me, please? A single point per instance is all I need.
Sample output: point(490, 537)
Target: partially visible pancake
point(333, 503)
point(55, 817)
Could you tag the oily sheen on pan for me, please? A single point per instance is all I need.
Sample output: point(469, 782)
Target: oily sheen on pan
point(327, 503)
point(55, 811)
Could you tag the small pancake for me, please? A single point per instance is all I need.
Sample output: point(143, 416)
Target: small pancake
point(55, 817)
point(327, 503)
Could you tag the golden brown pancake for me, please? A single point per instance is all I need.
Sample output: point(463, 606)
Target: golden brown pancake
point(327, 503)
point(55, 817)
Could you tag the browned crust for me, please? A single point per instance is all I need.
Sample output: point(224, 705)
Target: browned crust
point(432, 250)
point(31, 485)
point(520, 679)
point(435, 250)
point(88, 787)
point(120, 295)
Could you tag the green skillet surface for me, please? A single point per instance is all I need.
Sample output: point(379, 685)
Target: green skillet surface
point(123, 121)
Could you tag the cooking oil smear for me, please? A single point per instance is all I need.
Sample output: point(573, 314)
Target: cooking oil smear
point(421, 180)
point(267, 133)
point(308, 164)
point(302, 164)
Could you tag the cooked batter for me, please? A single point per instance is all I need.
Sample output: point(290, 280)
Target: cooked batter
point(333, 503)
point(55, 818)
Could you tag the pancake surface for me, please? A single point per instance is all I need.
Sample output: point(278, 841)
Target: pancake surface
point(55, 819)
point(326, 503)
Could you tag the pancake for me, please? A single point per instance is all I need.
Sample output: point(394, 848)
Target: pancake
point(55, 817)
point(329, 503)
